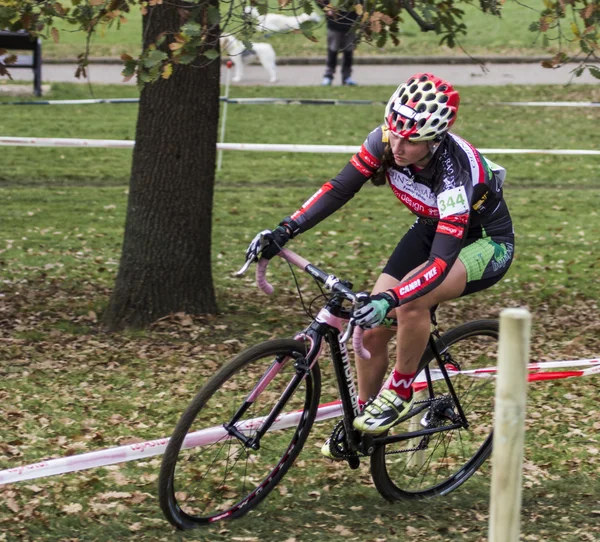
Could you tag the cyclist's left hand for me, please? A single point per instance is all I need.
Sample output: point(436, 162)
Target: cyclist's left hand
point(371, 310)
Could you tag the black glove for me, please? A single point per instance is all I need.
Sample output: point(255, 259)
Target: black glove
point(267, 243)
point(276, 241)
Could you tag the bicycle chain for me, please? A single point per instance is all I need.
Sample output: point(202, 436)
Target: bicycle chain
point(335, 442)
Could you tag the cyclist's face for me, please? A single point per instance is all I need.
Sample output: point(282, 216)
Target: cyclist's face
point(408, 152)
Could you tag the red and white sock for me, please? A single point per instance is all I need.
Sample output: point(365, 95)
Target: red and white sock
point(361, 404)
point(401, 383)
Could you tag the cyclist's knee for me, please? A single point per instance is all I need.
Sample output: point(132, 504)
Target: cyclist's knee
point(414, 309)
point(377, 339)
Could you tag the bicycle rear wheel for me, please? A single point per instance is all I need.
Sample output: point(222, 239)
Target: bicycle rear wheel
point(212, 469)
point(436, 464)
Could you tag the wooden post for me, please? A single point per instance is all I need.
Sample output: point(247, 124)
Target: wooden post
point(509, 425)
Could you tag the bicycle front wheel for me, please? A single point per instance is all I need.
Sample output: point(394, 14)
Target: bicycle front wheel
point(436, 464)
point(218, 463)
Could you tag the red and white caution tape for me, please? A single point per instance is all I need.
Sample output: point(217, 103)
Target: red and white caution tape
point(535, 371)
point(212, 435)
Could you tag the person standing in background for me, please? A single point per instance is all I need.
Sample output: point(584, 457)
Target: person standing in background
point(341, 37)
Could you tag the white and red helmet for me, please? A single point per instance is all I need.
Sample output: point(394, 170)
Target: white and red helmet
point(423, 108)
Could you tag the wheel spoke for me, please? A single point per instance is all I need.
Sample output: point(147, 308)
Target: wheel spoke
point(222, 480)
point(451, 454)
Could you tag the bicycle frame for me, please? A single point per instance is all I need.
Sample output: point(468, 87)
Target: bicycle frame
point(329, 325)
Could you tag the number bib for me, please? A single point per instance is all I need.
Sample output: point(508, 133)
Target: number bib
point(453, 202)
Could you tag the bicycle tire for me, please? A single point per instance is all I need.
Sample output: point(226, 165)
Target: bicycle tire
point(453, 456)
point(185, 493)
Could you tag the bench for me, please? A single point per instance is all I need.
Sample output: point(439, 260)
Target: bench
point(22, 41)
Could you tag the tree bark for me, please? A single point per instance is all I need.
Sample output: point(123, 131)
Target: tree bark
point(165, 264)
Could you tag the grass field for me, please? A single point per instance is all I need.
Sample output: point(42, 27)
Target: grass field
point(68, 387)
point(487, 34)
point(481, 121)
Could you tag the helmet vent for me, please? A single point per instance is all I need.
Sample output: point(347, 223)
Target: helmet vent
point(435, 122)
point(443, 99)
point(443, 88)
point(423, 78)
point(433, 108)
point(417, 97)
point(413, 89)
point(428, 86)
point(444, 112)
point(404, 99)
point(442, 126)
point(430, 96)
point(421, 123)
point(430, 135)
point(409, 124)
point(421, 108)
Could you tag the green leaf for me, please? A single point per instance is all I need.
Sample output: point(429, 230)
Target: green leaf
point(584, 46)
point(594, 72)
point(211, 54)
point(191, 29)
point(129, 68)
point(144, 77)
point(186, 58)
point(214, 16)
point(153, 58)
point(262, 8)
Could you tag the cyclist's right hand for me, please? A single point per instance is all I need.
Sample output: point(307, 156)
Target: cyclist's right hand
point(267, 244)
point(371, 310)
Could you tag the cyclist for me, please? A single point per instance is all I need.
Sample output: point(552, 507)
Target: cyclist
point(461, 242)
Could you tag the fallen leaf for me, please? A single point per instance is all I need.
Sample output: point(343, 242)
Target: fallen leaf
point(74, 508)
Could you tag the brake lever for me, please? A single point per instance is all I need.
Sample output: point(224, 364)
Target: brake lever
point(251, 260)
point(349, 329)
point(244, 268)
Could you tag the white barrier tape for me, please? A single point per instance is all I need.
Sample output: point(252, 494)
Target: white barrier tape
point(251, 147)
point(77, 102)
point(141, 450)
point(285, 101)
point(65, 142)
point(246, 101)
point(553, 104)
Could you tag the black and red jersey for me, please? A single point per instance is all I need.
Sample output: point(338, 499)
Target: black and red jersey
point(459, 190)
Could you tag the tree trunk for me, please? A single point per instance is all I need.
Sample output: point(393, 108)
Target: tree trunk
point(165, 265)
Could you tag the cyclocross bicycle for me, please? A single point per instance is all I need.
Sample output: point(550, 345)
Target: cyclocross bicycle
point(248, 423)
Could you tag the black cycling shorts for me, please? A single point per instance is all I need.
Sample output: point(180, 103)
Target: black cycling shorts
point(486, 258)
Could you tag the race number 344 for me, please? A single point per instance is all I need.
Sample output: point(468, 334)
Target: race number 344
point(453, 202)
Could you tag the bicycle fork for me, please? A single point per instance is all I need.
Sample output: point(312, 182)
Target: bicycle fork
point(302, 370)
